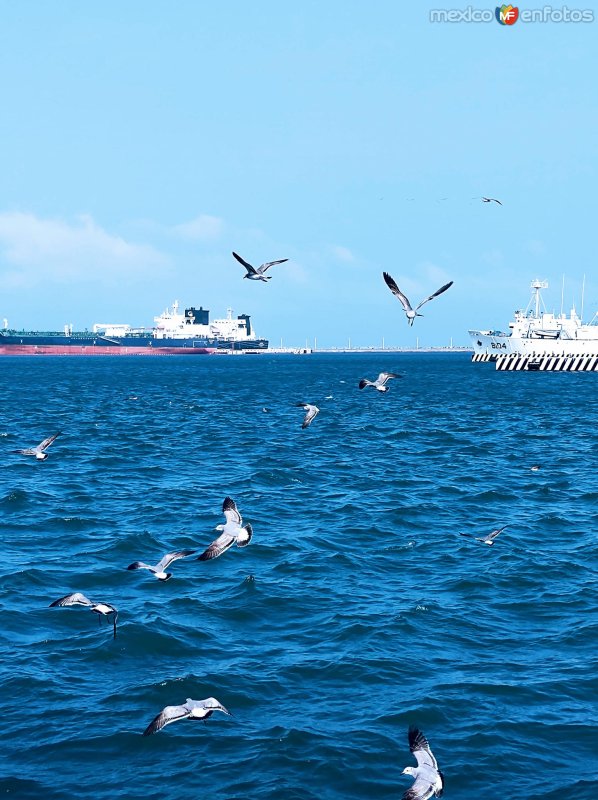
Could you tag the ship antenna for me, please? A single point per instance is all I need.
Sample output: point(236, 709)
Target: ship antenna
point(583, 291)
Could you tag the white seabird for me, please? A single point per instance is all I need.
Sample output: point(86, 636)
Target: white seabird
point(429, 780)
point(40, 451)
point(232, 532)
point(411, 314)
point(78, 599)
point(258, 273)
point(380, 382)
point(191, 709)
point(163, 563)
point(489, 540)
point(311, 412)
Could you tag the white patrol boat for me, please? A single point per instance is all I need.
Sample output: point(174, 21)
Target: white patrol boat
point(540, 340)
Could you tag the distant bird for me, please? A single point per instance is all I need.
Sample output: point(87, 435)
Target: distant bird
point(489, 540)
point(311, 412)
point(257, 273)
point(191, 709)
point(411, 314)
point(78, 599)
point(429, 780)
point(164, 562)
point(490, 200)
point(231, 532)
point(40, 451)
point(535, 468)
point(380, 382)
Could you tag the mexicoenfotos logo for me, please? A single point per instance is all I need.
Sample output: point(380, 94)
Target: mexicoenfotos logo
point(507, 15)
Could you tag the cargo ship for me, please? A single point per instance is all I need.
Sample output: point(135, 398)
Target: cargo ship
point(540, 340)
point(188, 333)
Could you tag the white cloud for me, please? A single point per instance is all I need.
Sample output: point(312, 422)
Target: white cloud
point(36, 250)
point(342, 253)
point(202, 227)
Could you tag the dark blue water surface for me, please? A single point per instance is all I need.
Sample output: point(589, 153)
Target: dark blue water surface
point(367, 611)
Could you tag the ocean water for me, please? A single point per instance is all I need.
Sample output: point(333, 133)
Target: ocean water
point(358, 608)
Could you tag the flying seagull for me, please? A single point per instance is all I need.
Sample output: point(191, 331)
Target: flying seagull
point(489, 540)
point(311, 412)
point(78, 599)
point(164, 562)
point(429, 780)
point(258, 273)
point(380, 382)
point(411, 314)
point(490, 200)
point(231, 532)
point(191, 709)
point(40, 451)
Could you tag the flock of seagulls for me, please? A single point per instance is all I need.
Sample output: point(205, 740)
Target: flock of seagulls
point(428, 779)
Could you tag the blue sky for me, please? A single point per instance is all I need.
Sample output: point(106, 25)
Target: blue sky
point(142, 142)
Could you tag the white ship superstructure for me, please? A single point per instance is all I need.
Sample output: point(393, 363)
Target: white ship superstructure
point(229, 333)
point(540, 340)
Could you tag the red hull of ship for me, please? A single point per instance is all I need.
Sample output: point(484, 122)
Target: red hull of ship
point(63, 350)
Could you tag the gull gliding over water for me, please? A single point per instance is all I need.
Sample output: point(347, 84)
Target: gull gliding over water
point(191, 709)
point(429, 780)
point(411, 314)
point(166, 561)
point(78, 599)
point(380, 382)
point(40, 451)
point(258, 273)
point(311, 413)
point(231, 532)
point(489, 540)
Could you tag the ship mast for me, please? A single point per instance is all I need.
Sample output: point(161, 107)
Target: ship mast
point(536, 286)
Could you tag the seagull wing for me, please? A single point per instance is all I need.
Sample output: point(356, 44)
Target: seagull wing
point(75, 599)
point(440, 291)
point(46, 443)
point(170, 557)
point(390, 282)
point(218, 547)
point(244, 537)
point(364, 382)
point(384, 377)
point(230, 511)
point(248, 267)
point(422, 789)
point(165, 717)
point(420, 747)
point(27, 451)
point(269, 264)
point(495, 533)
point(141, 565)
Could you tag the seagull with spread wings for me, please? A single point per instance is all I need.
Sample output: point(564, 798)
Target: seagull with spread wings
point(411, 314)
point(191, 709)
point(79, 599)
point(232, 532)
point(380, 383)
point(429, 780)
point(490, 200)
point(490, 538)
point(159, 570)
point(40, 450)
point(258, 273)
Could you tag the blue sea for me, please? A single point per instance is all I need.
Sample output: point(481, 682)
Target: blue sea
point(357, 609)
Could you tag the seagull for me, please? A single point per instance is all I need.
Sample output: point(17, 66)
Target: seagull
point(489, 540)
point(535, 468)
point(40, 451)
point(490, 200)
point(191, 709)
point(311, 412)
point(257, 274)
point(164, 562)
point(411, 314)
point(231, 532)
point(429, 780)
point(380, 382)
point(78, 599)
